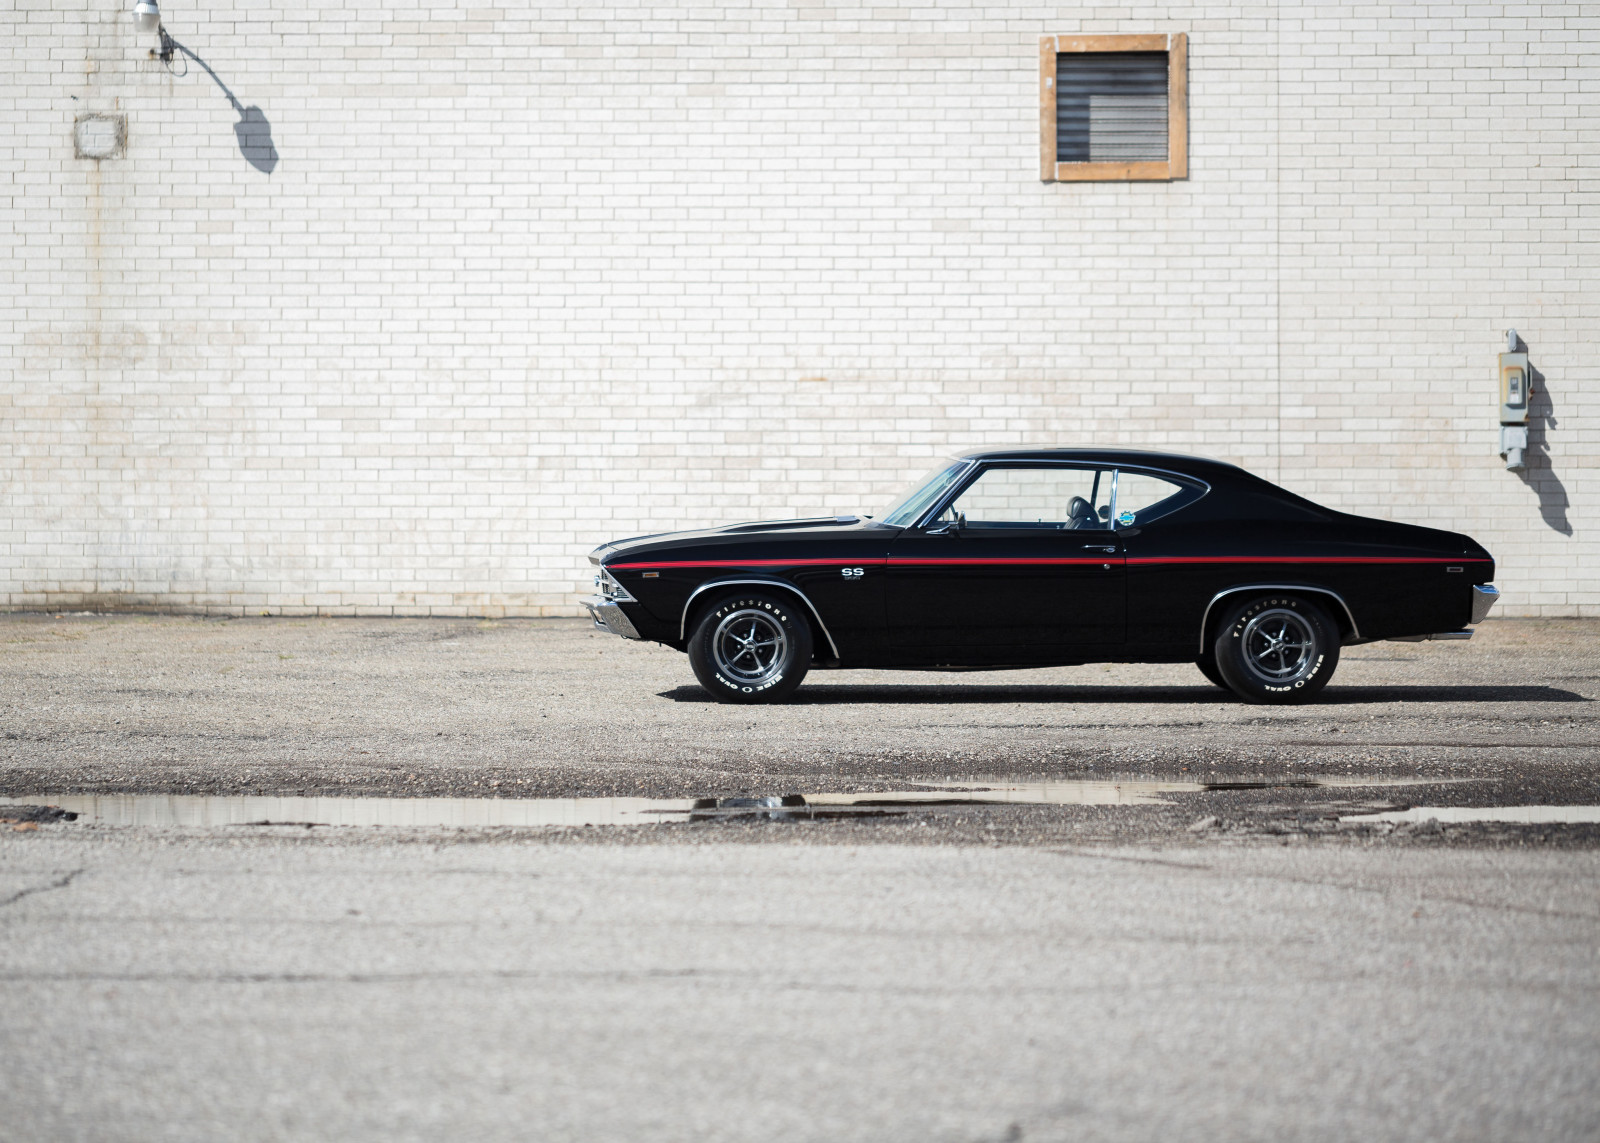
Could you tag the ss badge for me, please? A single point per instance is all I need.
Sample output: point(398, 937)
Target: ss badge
point(852, 573)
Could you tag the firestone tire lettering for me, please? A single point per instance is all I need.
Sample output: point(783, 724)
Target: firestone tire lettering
point(1276, 649)
point(772, 615)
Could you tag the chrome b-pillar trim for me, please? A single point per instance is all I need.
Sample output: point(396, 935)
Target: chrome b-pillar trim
point(1205, 616)
point(683, 621)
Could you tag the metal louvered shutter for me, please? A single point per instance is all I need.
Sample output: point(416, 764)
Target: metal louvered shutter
point(1111, 107)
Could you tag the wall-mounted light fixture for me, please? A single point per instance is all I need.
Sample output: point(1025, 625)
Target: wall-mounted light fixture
point(147, 18)
point(1516, 384)
point(253, 131)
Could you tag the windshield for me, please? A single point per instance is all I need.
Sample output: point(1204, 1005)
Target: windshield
point(910, 505)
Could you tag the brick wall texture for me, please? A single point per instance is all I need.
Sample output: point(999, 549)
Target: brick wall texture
point(524, 279)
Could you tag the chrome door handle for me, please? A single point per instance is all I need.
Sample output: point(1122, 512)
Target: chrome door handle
point(1099, 547)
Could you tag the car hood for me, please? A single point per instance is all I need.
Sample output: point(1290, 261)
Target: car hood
point(778, 532)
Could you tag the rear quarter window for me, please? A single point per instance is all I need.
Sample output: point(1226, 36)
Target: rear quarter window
point(1143, 497)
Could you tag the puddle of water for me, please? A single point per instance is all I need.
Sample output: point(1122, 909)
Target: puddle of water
point(1527, 815)
point(225, 810)
point(1090, 792)
point(208, 810)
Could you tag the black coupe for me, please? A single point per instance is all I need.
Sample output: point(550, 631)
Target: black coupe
point(1041, 558)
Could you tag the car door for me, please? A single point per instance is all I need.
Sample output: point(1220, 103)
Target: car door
point(1176, 560)
point(1021, 565)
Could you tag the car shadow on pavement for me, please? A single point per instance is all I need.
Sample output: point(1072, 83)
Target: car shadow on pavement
point(823, 694)
point(1336, 696)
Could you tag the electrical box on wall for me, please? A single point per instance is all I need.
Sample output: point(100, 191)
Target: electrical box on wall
point(1513, 388)
point(1516, 385)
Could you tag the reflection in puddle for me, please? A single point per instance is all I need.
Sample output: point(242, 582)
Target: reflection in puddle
point(223, 810)
point(1528, 815)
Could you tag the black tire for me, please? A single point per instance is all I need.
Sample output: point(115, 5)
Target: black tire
point(751, 647)
point(1276, 649)
point(1208, 668)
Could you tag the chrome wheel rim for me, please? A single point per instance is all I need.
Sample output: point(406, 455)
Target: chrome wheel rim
point(749, 647)
point(1279, 646)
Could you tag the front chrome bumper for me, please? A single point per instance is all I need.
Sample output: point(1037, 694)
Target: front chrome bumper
point(609, 616)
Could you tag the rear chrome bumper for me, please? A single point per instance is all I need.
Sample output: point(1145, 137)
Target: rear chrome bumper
point(609, 616)
point(1483, 598)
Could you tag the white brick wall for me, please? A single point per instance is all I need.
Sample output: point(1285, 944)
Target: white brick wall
point(524, 279)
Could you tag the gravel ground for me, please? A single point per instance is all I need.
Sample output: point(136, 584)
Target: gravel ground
point(551, 708)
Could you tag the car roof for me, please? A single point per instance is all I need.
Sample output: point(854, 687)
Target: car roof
point(1171, 461)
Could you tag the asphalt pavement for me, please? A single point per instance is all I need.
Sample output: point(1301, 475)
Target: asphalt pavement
point(266, 988)
point(1253, 958)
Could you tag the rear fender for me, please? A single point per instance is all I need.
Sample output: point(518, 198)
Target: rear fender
point(1340, 610)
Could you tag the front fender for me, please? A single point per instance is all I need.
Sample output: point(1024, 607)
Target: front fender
point(706, 592)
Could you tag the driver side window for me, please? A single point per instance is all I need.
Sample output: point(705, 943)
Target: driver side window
point(1054, 497)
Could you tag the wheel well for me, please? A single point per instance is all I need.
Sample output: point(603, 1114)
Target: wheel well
point(705, 596)
point(1336, 607)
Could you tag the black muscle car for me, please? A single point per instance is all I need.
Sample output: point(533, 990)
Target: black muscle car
point(1047, 558)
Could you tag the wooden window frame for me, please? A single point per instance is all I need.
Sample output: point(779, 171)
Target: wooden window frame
point(1176, 45)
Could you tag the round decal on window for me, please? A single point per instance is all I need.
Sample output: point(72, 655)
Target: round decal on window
point(1125, 519)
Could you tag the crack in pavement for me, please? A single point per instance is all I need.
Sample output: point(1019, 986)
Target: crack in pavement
point(1375, 890)
point(619, 976)
point(1436, 898)
point(61, 884)
point(1130, 860)
point(1363, 743)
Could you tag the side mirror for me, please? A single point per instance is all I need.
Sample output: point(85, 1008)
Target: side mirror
point(953, 528)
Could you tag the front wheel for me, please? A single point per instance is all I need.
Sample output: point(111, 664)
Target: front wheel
point(751, 647)
point(1208, 668)
point(1277, 649)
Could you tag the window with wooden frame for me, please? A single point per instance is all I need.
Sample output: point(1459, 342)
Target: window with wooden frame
point(1113, 108)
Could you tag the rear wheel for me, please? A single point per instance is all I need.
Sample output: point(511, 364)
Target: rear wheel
point(751, 647)
point(1276, 649)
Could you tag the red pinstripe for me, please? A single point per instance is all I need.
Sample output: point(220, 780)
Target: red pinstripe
point(830, 562)
point(1306, 560)
point(1018, 561)
point(1031, 561)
